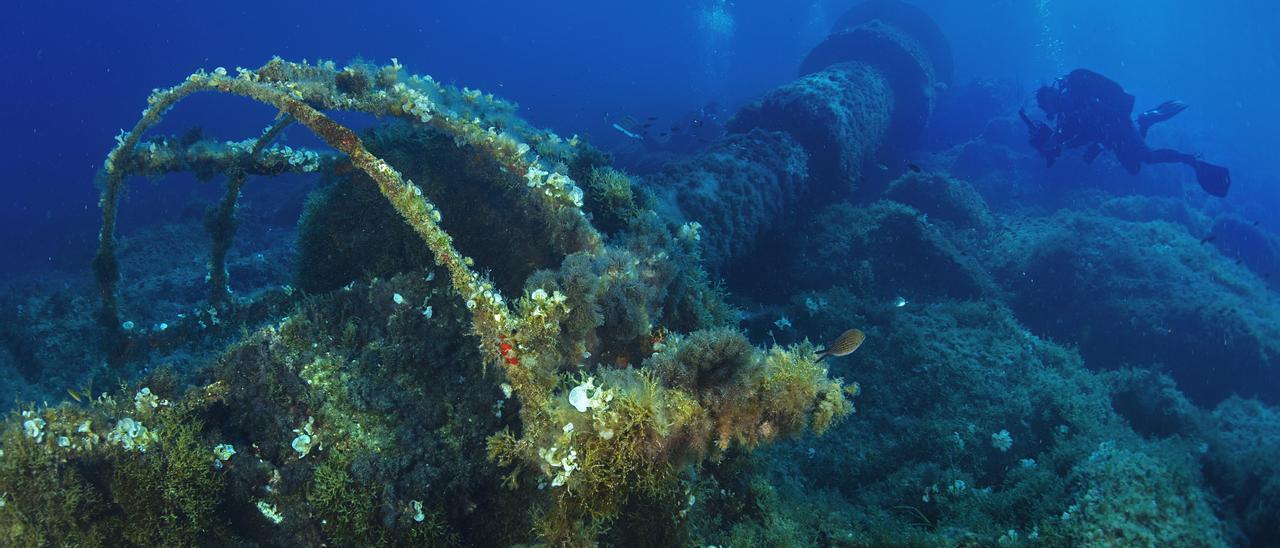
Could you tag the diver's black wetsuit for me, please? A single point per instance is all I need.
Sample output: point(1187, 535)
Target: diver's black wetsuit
point(1087, 109)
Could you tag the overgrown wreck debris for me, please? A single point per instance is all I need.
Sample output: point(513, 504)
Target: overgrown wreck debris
point(616, 349)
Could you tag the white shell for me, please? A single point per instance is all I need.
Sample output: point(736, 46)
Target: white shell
point(578, 398)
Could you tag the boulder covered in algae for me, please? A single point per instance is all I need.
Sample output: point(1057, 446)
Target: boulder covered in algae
point(1145, 293)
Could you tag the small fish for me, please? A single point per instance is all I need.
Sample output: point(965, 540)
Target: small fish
point(914, 168)
point(1210, 238)
point(1255, 223)
point(844, 345)
point(675, 129)
point(663, 134)
point(883, 166)
point(899, 302)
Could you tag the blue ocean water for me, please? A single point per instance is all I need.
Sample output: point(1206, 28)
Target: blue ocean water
point(74, 70)
point(1050, 351)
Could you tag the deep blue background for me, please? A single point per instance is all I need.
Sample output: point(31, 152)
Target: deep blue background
point(73, 74)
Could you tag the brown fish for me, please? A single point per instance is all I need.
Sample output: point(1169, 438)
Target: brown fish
point(844, 345)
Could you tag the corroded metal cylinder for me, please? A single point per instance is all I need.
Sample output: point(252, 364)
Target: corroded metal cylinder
point(869, 85)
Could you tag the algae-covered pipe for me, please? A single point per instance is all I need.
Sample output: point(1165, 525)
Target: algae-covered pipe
point(869, 85)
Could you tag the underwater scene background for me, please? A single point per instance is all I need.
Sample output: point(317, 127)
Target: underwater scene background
point(707, 272)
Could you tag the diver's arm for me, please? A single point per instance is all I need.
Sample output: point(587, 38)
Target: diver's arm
point(1046, 139)
point(1031, 124)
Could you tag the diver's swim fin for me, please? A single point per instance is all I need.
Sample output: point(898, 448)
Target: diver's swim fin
point(1165, 111)
point(1214, 179)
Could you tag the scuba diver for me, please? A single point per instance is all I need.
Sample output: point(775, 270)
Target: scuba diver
point(1087, 109)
